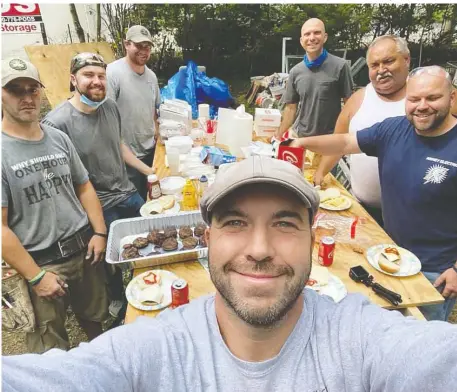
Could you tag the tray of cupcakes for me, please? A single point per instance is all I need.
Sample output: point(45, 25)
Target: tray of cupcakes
point(157, 240)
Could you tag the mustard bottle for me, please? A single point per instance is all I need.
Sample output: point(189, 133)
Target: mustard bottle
point(189, 196)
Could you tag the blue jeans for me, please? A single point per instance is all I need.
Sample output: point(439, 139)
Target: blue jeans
point(438, 311)
point(129, 208)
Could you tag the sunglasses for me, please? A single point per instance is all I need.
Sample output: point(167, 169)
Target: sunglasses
point(21, 92)
point(142, 46)
point(433, 70)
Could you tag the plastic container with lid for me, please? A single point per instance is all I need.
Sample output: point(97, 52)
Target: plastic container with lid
point(182, 143)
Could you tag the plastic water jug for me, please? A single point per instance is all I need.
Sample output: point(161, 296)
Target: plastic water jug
point(234, 129)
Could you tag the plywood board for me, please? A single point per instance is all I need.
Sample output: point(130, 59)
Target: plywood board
point(53, 63)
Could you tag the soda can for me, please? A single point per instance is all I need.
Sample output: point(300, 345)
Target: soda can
point(326, 251)
point(179, 293)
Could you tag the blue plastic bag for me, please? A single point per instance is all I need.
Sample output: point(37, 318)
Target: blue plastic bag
point(195, 87)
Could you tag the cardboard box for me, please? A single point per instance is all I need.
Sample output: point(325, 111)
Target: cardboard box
point(267, 117)
point(265, 130)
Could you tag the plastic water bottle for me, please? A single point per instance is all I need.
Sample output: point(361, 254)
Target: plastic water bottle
point(202, 185)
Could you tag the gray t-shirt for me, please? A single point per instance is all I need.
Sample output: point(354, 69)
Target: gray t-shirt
point(38, 179)
point(352, 346)
point(318, 92)
point(137, 97)
point(97, 138)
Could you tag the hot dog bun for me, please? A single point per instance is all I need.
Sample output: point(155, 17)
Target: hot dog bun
point(388, 266)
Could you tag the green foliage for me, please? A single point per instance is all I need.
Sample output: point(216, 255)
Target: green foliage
point(235, 41)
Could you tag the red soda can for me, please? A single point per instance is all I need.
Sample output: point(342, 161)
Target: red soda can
point(179, 293)
point(326, 251)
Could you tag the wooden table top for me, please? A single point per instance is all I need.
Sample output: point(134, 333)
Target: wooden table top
point(415, 290)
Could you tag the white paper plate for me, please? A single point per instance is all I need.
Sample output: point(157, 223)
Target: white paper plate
point(132, 291)
point(334, 289)
point(344, 206)
point(409, 265)
point(145, 210)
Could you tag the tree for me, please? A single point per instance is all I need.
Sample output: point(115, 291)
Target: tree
point(118, 18)
point(99, 22)
point(78, 28)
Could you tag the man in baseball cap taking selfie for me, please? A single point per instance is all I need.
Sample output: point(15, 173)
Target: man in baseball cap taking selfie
point(261, 330)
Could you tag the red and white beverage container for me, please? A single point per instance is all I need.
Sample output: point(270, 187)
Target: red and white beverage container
point(326, 251)
point(293, 155)
point(179, 293)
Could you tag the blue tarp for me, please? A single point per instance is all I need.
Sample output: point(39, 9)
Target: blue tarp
point(195, 87)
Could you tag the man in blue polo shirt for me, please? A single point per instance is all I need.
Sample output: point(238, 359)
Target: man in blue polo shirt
point(418, 172)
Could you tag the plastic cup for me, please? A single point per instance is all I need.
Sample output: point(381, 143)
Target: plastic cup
point(173, 160)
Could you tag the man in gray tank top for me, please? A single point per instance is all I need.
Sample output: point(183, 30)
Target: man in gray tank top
point(315, 86)
point(135, 89)
point(47, 205)
point(261, 331)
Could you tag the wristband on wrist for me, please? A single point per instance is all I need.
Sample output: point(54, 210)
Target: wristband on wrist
point(37, 279)
point(101, 235)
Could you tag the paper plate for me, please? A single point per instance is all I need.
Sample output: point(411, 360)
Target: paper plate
point(344, 206)
point(334, 289)
point(409, 265)
point(145, 210)
point(133, 290)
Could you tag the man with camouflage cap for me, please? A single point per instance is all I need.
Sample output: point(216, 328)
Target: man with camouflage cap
point(135, 89)
point(93, 123)
point(53, 231)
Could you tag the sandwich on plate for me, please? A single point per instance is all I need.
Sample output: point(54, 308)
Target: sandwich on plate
point(389, 260)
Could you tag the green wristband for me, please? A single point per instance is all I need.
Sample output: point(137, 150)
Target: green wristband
point(35, 280)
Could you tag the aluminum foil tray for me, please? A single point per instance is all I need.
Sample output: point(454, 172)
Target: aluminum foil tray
point(137, 226)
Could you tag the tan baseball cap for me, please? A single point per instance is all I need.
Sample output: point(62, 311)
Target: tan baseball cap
point(14, 68)
point(258, 170)
point(138, 33)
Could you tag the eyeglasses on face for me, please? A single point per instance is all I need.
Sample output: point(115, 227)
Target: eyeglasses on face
point(21, 92)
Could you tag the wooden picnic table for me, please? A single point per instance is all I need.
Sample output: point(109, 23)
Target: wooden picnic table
point(415, 290)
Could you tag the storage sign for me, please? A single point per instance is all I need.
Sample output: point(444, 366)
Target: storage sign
point(20, 18)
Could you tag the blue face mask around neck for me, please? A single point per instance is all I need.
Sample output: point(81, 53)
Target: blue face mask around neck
point(89, 102)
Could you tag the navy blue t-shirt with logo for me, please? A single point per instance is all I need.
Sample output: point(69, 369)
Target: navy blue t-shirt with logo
point(419, 189)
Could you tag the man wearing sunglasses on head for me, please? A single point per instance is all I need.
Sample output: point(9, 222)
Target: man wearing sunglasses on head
point(135, 89)
point(53, 231)
point(93, 123)
point(417, 158)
